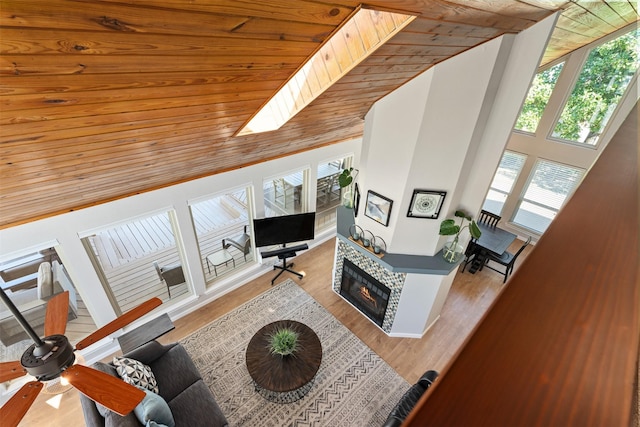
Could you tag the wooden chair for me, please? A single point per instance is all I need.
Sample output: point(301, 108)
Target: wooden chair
point(323, 187)
point(507, 259)
point(171, 275)
point(488, 218)
point(241, 242)
point(284, 192)
point(335, 192)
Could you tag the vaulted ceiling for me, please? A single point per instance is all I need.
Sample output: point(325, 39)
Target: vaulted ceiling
point(105, 99)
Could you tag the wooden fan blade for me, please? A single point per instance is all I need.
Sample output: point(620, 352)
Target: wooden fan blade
point(120, 322)
point(55, 321)
point(109, 391)
point(11, 371)
point(15, 409)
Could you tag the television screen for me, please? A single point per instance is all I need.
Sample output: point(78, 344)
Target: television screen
point(284, 229)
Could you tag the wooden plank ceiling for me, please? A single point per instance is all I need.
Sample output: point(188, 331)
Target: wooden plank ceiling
point(104, 99)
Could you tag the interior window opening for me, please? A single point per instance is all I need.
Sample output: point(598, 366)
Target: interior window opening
point(223, 231)
point(138, 260)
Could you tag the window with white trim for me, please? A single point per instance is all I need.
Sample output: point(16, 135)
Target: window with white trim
point(548, 188)
point(503, 181)
point(537, 98)
point(602, 82)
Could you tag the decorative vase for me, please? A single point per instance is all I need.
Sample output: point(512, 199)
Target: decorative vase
point(347, 197)
point(452, 252)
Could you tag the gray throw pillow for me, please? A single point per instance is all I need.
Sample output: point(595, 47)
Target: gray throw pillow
point(153, 410)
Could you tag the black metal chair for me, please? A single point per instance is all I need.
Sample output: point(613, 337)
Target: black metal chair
point(507, 259)
point(488, 218)
point(171, 275)
point(241, 242)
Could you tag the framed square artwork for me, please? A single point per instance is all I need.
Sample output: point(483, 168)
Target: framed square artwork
point(426, 203)
point(378, 207)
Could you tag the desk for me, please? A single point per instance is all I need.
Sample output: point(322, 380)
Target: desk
point(145, 333)
point(492, 239)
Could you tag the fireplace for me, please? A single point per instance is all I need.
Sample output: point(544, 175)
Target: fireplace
point(363, 291)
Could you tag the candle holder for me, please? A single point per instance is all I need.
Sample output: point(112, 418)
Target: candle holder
point(366, 239)
point(377, 245)
point(355, 232)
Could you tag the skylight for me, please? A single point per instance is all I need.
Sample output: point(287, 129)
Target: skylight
point(357, 38)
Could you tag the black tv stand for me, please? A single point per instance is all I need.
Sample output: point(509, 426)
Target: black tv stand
point(283, 254)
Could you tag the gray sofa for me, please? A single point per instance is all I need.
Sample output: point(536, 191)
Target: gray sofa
point(179, 383)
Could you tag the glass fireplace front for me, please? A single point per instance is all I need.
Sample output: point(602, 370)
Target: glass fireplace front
point(363, 291)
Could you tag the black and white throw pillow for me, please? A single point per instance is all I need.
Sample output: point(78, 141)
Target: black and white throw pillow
point(135, 373)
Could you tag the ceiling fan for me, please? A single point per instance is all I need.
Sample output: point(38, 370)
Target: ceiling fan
point(53, 356)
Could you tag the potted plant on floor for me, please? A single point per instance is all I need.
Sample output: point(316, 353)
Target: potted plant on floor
point(453, 251)
point(284, 342)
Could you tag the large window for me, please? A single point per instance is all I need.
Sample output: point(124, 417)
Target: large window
point(328, 191)
point(548, 188)
point(604, 78)
point(138, 260)
point(502, 184)
point(30, 281)
point(537, 98)
point(223, 231)
point(285, 195)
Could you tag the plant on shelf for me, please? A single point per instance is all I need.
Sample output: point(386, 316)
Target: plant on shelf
point(452, 251)
point(345, 180)
point(284, 342)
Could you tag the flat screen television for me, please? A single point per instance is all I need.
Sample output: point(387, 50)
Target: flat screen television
point(278, 230)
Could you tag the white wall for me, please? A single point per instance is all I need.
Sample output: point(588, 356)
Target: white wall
point(446, 131)
point(513, 86)
point(64, 231)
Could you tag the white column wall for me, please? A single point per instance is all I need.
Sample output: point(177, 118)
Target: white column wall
point(455, 145)
point(505, 110)
point(420, 304)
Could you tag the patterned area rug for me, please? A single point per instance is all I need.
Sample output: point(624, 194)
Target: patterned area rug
point(353, 387)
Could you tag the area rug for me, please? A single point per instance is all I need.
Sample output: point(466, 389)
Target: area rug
point(353, 387)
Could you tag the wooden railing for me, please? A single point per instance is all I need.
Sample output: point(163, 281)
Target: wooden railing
point(560, 345)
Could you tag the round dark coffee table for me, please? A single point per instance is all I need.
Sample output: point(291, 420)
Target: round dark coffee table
point(284, 379)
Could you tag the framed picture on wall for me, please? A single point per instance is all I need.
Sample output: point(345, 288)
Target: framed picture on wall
point(426, 203)
point(378, 207)
point(356, 200)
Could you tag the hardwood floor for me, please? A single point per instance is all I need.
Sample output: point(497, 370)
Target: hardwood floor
point(470, 297)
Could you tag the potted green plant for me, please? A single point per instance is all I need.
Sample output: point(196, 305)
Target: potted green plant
point(345, 180)
point(284, 342)
point(453, 251)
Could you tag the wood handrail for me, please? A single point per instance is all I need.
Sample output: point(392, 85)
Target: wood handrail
point(559, 347)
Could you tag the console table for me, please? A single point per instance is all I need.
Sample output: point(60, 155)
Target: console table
point(145, 333)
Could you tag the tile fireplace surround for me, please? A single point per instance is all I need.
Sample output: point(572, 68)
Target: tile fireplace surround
point(418, 284)
point(393, 281)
